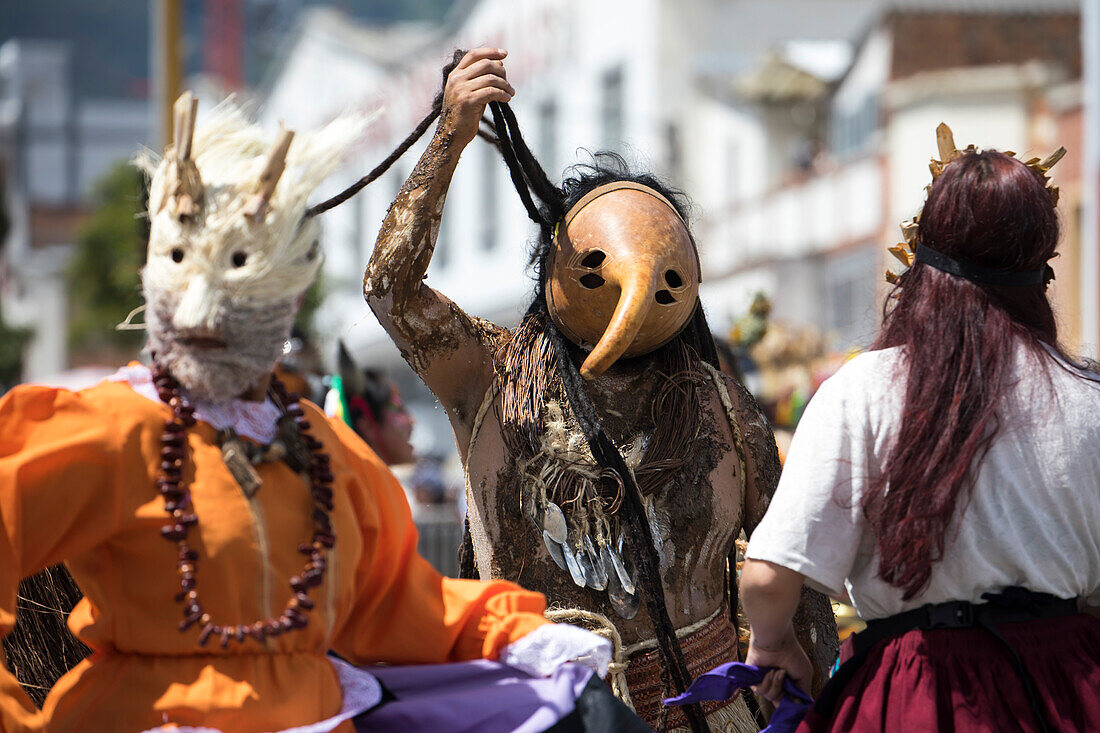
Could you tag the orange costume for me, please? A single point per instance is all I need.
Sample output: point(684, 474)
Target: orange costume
point(77, 484)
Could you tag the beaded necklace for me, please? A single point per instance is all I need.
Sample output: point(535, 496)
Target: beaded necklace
point(177, 503)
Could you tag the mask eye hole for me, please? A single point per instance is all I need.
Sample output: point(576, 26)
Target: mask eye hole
point(673, 279)
point(314, 249)
point(239, 258)
point(593, 259)
point(591, 281)
point(177, 254)
point(664, 297)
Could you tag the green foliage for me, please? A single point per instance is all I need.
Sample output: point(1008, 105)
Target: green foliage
point(12, 342)
point(310, 303)
point(103, 276)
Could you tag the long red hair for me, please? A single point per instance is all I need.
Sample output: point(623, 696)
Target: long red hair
point(958, 340)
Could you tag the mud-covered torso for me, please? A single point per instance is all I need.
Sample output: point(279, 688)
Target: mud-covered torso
point(696, 513)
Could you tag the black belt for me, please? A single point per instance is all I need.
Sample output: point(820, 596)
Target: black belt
point(1009, 606)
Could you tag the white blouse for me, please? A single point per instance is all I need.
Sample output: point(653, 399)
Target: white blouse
point(1033, 517)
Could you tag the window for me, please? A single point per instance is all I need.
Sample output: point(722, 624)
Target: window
point(491, 162)
point(548, 137)
point(673, 158)
point(850, 294)
point(852, 130)
point(611, 109)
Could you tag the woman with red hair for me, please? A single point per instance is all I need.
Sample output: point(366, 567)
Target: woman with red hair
point(948, 481)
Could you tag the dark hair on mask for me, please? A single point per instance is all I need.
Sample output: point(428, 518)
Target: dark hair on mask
point(580, 178)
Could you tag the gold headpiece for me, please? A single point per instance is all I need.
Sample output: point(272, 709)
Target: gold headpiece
point(945, 140)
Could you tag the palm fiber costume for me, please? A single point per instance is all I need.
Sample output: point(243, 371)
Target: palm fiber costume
point(618, 487)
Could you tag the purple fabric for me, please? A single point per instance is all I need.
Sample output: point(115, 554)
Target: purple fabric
point(483, 696)
point(724, 680)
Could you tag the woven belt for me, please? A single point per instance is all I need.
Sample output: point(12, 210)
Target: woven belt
point(713, 644)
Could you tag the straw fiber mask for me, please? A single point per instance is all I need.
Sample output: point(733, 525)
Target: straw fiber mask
point(624, 274)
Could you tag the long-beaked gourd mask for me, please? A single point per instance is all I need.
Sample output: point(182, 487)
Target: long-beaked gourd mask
point(231, 246)
point(624, 274)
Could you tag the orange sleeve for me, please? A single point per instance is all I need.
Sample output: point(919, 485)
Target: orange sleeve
point(58, 497)
point(407, 613)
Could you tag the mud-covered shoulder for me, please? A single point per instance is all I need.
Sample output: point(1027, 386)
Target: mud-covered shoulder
point(761, 454)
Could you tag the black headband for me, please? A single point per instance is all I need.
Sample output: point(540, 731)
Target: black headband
point(983, 275)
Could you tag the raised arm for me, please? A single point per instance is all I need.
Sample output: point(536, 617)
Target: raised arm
point(451, 351)
point(813, 624)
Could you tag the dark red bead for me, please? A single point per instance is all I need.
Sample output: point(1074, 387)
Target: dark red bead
point(312, 579)
point(272, 628)
point(207, 632)
point(325, 538)
point(227, 632)
point(189, 520)
point(257, 631)
point(174, 532)
point(186, 553)
point(187, 582)
point(305, 548)
point(188, 420)
point(242, 632)
point(298, 584)
point(319, 516)
point(295, 410)
point(304, 601)
point(292, 399)
point(190, 620)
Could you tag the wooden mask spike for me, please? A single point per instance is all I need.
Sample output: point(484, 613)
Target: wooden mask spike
point(183, 175)
point(270, 175)
point(945, 141)
point(185, 111)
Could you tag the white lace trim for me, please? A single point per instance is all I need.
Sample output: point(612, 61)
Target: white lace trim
point(552, 645)
point(255, 420)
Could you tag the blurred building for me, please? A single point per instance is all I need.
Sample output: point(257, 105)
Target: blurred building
point(54, 144)
point(814, 238)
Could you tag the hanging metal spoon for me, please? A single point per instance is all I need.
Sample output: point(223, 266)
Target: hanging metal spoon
point(625, 580)
point(573, 565)
point(553, 522)
point(555, 550)
point(599, 572)
point(625, 604)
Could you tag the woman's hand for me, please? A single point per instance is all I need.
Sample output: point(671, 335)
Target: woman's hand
point(479, 78)
point(789, 659)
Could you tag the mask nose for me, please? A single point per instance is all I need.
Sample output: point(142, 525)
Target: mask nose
point(633, 307)
point(198, 309)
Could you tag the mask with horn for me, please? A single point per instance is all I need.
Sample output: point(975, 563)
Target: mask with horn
point(624, 274)
point(231, 249)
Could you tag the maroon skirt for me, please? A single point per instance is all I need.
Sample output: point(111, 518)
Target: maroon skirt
point(964, 680)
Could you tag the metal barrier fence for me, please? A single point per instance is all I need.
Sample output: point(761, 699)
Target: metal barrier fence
point(439, 543)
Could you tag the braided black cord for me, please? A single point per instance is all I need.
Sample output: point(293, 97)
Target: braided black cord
point(408, 142)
